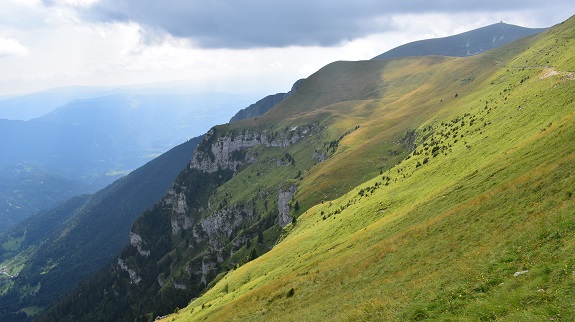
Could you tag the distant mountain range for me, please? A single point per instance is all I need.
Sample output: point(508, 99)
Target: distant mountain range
point(74, 239)
point(89, 143)
point(465, 44)
point(29, 106)
point(96, 140)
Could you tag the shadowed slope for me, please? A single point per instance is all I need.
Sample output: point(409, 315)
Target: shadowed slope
point(466, 44)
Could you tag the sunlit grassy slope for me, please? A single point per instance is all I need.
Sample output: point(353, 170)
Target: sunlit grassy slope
point(476, 224)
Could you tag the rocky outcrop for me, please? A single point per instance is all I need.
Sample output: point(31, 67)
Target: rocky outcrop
point(220, 226)
point(284, 198)
point(227, 152)
point(208, 266)
point(133, 275)
point(177, 202)
point(136, 241)
point(319, 156)
point(232, 150)
point(218, 231)
point(179, 223)
point(409, 141)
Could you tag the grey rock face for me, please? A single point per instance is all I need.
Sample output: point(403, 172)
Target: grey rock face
point(230, 152)
point(136, 241)
point(284, 197)
point(319, 156)
point(177, 202)
point(220, 225)
point(133, 275)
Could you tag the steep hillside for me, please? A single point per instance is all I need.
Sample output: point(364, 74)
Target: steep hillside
point(475, 224)
point(368, 158)
point(52, 252)
point(466, 44)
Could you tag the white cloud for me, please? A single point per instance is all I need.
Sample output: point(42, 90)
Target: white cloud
point(276, 64)
point(10, 47)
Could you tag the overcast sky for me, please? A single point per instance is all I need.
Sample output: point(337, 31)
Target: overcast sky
point(225, 45)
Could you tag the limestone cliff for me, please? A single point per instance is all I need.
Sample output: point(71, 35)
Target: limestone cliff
point(233, 150)
point(195, 230)
point(284, 198)
point(136, 241)
point(132, 273)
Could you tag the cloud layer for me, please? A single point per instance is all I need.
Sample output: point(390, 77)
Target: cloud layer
point(10, 47)
point(263, 23)
point(225, 45)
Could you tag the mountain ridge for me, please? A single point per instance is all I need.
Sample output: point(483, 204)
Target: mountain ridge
point(265, 104)
point(465, 44)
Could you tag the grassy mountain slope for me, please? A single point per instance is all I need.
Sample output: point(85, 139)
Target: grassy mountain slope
point(475, 224)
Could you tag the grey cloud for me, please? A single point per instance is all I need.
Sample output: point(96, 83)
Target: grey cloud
point(267, 23)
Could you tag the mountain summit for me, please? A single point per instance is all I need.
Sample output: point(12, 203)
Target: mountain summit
point(465, 44)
